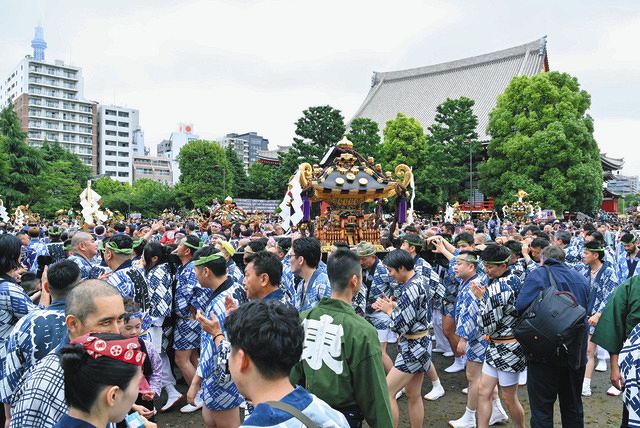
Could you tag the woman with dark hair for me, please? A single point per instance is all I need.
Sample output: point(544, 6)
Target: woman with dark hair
point(160, 282)
point(14, 302)
point(102, 377)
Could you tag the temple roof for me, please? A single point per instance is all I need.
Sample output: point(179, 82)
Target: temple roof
point(417, 92)
point(611, 164)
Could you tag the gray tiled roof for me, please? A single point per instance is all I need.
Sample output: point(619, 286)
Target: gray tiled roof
point(417, 92)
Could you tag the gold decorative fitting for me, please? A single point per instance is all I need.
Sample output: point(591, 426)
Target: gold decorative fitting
point(380, 180)
point(368, 171)
point(363, 181)
point(345, 143)
point(370, 160)
point(388, 174)
point(329, 170)
point(378, 167)
point(339, 181)
point(351, 177)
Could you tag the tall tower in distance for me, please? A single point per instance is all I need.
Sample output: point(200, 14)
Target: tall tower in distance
point(38, 44)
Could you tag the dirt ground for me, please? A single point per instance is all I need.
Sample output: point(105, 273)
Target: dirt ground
point(600, 409)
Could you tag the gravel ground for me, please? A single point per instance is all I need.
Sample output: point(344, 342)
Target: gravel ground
point(600, 409)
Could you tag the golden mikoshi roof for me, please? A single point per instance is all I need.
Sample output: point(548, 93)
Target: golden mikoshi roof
point(347, 178)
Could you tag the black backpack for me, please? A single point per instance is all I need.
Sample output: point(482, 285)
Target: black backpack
point(552, 328)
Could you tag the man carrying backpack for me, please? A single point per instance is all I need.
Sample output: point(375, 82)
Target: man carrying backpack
point(559, 378)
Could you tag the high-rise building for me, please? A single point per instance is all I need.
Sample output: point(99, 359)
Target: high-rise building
point(49, 100)
point(156, 168)
point(247, 151)
point(118, 128)
point(171, 148)
point(240, 146)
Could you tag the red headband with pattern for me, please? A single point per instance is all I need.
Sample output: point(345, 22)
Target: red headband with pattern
point(125, 350)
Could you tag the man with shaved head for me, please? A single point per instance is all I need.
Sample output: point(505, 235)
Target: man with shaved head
point(93, 306)
point(85, 248)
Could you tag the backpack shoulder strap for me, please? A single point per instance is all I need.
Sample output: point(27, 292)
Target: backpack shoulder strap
point(285, 407)
point(552, 280)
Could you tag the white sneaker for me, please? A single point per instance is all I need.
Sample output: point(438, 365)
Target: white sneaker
point(613, 391)
point(438, 350)
point(400, 393)
point(447, 354)
point(586, 391)
point(466, 421)
point(465, 391)
point(498, 415)
point(601, 366)
point(457, 366)
point(435, 393)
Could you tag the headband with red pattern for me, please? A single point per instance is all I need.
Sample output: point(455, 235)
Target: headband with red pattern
point(125, 350)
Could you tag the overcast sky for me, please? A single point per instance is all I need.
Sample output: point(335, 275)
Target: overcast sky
point(240, 65)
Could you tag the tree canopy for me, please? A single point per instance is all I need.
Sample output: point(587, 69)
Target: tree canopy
point(205, 173)
point(365, 136)
point(542, 142)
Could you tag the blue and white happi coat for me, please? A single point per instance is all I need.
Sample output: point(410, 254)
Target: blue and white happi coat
point(216, 395)
point(189, 297)
point(36, 248)
point(432, 280)
point(629, 362)
point(452, 285)
point(159, 281)
point(317, 289)
point(221, 371)
point(239, 294)
point(131, 283)
point(14, 304)
point(87, 270)
point(32, 338)
point(311, 406)
point(381, 285)
point(411, 316)
point(56, 251)
point(496, 318)
point(286, 282)
point(467, 310)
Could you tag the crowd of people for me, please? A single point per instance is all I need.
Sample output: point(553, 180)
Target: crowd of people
point(98, 323)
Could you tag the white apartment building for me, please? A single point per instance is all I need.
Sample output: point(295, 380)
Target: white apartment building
point(171, 148)
point(118, 140)
point(49, 100)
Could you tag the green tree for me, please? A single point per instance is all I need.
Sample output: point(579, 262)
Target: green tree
point(106, 186)
point(240, 183)
point(542, 142)
point(77, 170)
point(24, 162)
point(405, 142)
point(261, 182)
point(365, 136)
point(451, 142)
point(203, 169)
point(150, 198)
point(56, 188)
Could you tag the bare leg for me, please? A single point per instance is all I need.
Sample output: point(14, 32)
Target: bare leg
point(396, 380)
point(386, 359)
point(510, 398)
point(185, 363)
point(474, 371)
point(221, 418)
point(486, 387)
point(449, 328)
point(414, 397)
point(591, 360)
